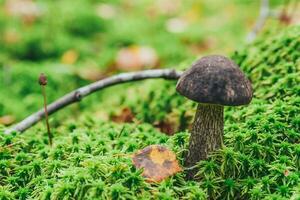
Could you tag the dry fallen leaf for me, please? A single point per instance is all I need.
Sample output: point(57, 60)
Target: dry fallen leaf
point(136, 58)
point(69, 57)
point(286, 172)
point(166, 127)
point(157, 161)
point(7, 119)
point(176, 25)
point(202, 46)
point(295, 16)
point(90, 73)
point(126, 116)
point(168, 7)
point(106, 11)
point(28, 10)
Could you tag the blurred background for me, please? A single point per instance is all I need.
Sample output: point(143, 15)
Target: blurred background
point(76, 42)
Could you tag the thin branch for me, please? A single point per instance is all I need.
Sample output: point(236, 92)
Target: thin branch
point(82, 92)
point(261, 20)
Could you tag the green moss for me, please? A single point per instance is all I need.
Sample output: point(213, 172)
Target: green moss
point(273, 64)
point(91, 159)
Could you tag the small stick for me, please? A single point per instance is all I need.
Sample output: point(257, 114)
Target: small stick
point(43, 82)
point(79, 93)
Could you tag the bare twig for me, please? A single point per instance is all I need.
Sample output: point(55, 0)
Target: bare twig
point(261, 20)
point(80, 93)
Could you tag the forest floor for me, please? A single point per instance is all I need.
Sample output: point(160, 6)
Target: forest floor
point(94, 140)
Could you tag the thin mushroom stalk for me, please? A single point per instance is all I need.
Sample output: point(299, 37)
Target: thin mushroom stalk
point(213, 82)
point(206, 135)
point(43, 82)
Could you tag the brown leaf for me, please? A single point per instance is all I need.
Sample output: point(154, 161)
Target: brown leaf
point(126, 115)
point(166, 127)
point(168, 7)
point(290, 14)
point(206, 44)
point(136, 58)
point(176, 25)
point(28, 10)
point(7, 119)
point(106, 10)
point(90, 73)
point(69, 57)
point(285, 18)
point(286, 172)
point(157, 161)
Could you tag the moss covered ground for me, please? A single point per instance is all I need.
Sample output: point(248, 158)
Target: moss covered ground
point(91, 159)
point(91, 155)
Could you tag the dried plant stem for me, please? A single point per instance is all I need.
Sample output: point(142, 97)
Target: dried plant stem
point(80, 93)
point(46, 115)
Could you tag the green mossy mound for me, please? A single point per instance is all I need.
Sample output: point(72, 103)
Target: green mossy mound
point(91, 159)
point(273, 64)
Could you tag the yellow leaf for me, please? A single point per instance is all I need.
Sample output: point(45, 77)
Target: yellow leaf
point(157, 161)
point(7, 119)
point(69, 57)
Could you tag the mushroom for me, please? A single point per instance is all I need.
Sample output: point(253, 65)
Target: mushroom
point(214, 82)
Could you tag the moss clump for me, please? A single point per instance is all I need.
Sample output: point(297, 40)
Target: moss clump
point(273, 64)
point(91, 161)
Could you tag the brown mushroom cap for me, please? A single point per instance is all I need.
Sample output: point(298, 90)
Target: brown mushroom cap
point(215, 80)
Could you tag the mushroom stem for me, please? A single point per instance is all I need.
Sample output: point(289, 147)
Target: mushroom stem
point(206, 136)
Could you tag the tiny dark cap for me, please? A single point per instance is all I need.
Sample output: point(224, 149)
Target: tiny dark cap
point(215, 79)
point(43, 79)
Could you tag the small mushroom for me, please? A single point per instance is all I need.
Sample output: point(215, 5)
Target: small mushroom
point(214, 82)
